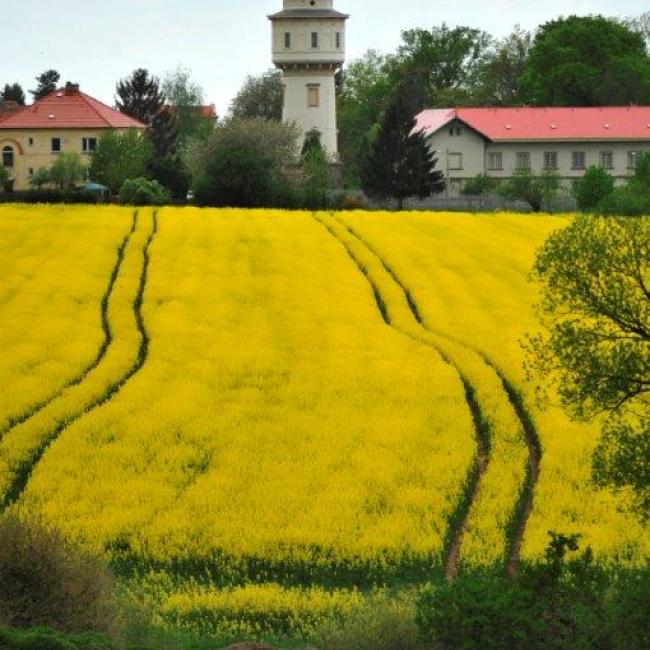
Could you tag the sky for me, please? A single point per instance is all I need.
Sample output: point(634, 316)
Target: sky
point(222, 41)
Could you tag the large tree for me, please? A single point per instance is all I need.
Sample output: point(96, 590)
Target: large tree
point(587, 61)
point(260, 96)
point(140, 97)
point(13, 93)
point(47, 83)
point(595, 276)
point(400, 163)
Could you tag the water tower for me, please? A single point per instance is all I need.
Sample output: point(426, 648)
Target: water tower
point(309, 47)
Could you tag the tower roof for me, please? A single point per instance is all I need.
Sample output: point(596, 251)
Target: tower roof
point(309, 13)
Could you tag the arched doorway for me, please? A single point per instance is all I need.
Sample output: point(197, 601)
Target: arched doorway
point(8, 157)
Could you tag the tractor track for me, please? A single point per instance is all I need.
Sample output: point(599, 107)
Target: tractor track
point(459, 518)
point(16, 421)
point(523, 509)
point(26, 468)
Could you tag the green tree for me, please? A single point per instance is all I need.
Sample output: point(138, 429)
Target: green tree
point(316, 169)
point(139, 96)
point(587, 61)
point(537, 191)
point(67, 171)
point(40, 178)
point(241, 163)
point(120, 156)
point(595, 347)
point(400, 163)
point(593, 188)
point(481, 184)
point(6, 182)
point(260, 96)
point(633, 198)
point(47, 83)
point(13, 93)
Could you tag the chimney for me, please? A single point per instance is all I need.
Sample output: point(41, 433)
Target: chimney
point(71, 89)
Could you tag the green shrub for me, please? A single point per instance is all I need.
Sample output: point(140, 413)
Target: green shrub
point(481, 184)
point(593, 188)
point(44, 639)
point(45, 582)
point(142, 191)
point(631, 200)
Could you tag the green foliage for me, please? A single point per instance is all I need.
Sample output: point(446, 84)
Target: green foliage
point(536, 190)
point(40, 178)
point(13, 93)
point(120, 156)
point(260, 96)
point(47, 83)
point(6, 181)
point(139, 96)
point(587, 61)
point(44, 582)
point(481, 184)
point(387, 622)
point(316, 169)
point(45, 639)
point(66, 172)
point(596, 349)
point(400, 163)
point(593, 188)
point(241, 164)
point(633, 199)
point(141, 191)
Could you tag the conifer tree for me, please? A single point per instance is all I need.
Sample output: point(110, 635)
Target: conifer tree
point(47, 83)
point(400, 163)
point(140, 97)
point(12, 93)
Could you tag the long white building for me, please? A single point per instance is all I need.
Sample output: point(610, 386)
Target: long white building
point(498, 141)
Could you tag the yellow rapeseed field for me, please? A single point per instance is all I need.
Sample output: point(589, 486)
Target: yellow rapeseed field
point(262, 417)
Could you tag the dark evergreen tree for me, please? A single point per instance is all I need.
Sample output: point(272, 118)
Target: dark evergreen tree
point(13, 93)
point(400, 163)
point(140, 97)
point(47, 83)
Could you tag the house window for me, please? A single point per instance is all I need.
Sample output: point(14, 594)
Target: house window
point(607, 159)
point(495, 160)
point(578, 160)
point(338, 40)
point(455, 161)
point(89, 145)
point(56, 145)
point(550, 160)
point(522, 160)
point(30, 142)
point(313, 96)
point(314, 40)
point(287, 40)
point(31, 171)
point(8, 157)
point(633, 158)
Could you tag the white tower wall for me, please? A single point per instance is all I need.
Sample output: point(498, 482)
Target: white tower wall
point(309, 47)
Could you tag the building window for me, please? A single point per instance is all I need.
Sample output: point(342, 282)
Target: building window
point(522, 160)
point(455, 161)
point(578, 160)
point(550, 160)
point(314, 40)
point(287, 40)
point(633, 158)
point(459, 131)
point(8, 157)
point(56, 145)
point(338, 40)
point(30, 142)
point(495, 160)
point(455, 131)
point(313, 96)
point(607, 159)
point(89, 145)
point(31, 171)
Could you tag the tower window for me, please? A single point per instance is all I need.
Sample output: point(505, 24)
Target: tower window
point(314, 40)
point(287, 40)
point(313, 96)
point(338, 40)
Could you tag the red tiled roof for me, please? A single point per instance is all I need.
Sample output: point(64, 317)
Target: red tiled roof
point(68, 109)
point(504, 124)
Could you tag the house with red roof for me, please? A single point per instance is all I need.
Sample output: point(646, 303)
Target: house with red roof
point(500, 141)
point(66, 120)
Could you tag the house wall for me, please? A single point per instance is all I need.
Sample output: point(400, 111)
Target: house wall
point(39, 154)
point(475, 151)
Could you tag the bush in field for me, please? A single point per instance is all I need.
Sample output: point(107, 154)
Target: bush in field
point(316, 169)
point(44, 639)
point(240, 164)
point(595, 186)
point(537, 191)
point(44, 582)
point(40, 178)
point(385, 622)
point(481, 184)
point(633, 199)
point(67, 171)
point(142, 191)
